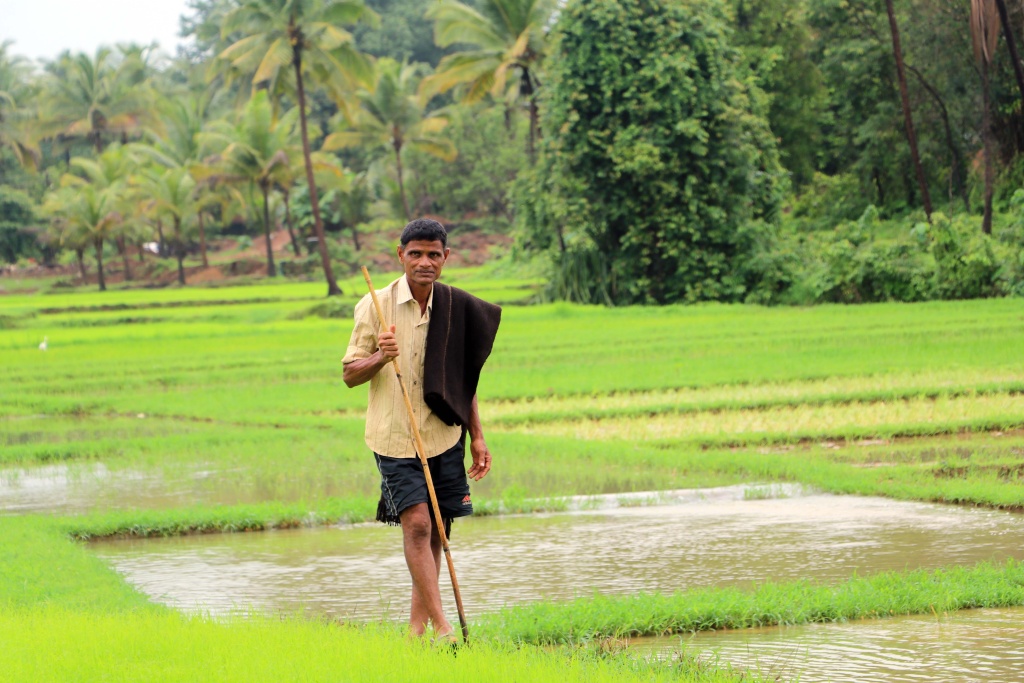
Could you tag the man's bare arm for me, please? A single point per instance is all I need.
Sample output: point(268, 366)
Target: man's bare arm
point(481, 455)
point(362, 371)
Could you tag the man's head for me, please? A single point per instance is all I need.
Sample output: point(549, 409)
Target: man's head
point(423, 251)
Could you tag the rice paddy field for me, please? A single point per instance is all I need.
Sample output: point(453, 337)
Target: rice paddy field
point(177, 411)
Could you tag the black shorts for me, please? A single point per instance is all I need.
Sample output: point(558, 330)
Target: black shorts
point(403, 485)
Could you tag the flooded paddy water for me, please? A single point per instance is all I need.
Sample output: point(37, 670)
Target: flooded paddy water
point(712, 537)
point(985, 645)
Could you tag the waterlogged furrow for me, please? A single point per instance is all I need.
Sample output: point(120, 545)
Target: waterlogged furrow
point(881, 418)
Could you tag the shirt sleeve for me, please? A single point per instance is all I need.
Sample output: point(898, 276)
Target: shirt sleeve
point(363, 342)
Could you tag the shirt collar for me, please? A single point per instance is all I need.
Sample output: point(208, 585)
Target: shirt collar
point(404, 293)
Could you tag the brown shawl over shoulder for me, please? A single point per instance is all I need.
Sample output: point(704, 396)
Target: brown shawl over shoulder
point(459, 340)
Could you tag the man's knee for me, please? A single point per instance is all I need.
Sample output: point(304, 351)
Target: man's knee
point(416, 524)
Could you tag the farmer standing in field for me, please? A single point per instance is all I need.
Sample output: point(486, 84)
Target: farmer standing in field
point(443, 336)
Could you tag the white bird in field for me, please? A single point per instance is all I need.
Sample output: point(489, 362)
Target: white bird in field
point(43, 344)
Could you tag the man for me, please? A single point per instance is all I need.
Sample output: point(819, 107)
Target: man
point(441, 336)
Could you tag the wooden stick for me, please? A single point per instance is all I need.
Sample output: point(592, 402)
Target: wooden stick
point(420, 451)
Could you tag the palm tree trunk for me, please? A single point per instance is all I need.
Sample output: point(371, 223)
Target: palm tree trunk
point(271, 270)
point(907, 118)
point(288, 223)
point(355, 237)
point(332, 285)
point(401, 182)
point(986, 136)
point(80, 256)
point(99, 264)
point(202, 240)
point(179, 250)
point(161, 244)
point(122, 248)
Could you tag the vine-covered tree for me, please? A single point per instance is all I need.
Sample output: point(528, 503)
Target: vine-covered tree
point(657, 158)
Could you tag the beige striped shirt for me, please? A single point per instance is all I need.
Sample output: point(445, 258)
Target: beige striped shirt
point(387, 421)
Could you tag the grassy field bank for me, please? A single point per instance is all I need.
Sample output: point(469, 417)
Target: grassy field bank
point(194, 411)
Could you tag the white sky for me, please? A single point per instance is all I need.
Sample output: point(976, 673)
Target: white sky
point(44, 28)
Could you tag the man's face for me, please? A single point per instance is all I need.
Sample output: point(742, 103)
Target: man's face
point(423, 260)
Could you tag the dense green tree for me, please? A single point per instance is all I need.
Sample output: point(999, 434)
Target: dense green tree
point(305, 35)
point(778, 43)
point(508, 40)
point(491, 156)
point(392, 116)
point(404, 33)
point(657, 155)
point(17, 215)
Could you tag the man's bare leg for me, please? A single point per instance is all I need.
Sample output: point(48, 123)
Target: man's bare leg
point(423, 555)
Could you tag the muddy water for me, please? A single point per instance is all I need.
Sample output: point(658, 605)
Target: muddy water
point(972, 645)
point(85, 487)
point(711, 538)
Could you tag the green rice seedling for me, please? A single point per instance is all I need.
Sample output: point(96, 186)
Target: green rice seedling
point(885, 594)
point(780, 424)
point(171, 647)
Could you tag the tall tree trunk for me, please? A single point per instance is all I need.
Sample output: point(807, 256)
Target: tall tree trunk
point(99, 264)
point(401, 182)
point(80, 256)
point(161, 245)
point(142, 252)
point(526, 88)
point(958, 173)
point(271, 270)
point(122, 249)
point(332, 285)
point(1011, 44)
point(202, 239)
point(907, 118)
point(288, 223)
point(986, 135)
point(179, 250)
point(355, 237)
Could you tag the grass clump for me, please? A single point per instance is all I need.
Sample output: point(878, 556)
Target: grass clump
point(886, 594)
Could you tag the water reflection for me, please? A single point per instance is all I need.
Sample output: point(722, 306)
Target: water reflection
point(710, 539)
point(972, 645)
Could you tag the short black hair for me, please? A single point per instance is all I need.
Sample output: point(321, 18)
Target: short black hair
point(425, 229)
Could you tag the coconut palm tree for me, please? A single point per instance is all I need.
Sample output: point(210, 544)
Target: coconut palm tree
point(87, 214)
point(510, 37)
point(305, 35)
point(111, 169)
point(256, 150)
point(14, 94)
point(98, 99)
point(170, 194)
point(178, 145)
point(392, 116)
